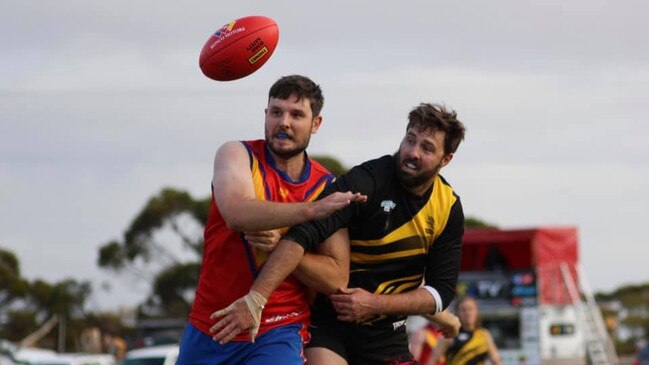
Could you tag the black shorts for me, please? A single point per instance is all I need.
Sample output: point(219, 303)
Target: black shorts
point(362, 344)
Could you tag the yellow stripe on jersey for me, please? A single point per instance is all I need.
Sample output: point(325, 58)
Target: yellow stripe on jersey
point(444, 197)
point(314, 195)
point(474, 349)
point(395, 286)
point(257, 179)
point(414, 278)
point(260, 193)
point(370, 258)
point(426, 223)
point(403, 287)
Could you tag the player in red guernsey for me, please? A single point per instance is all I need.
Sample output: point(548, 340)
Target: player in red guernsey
point(259, 189)
point(234, 264)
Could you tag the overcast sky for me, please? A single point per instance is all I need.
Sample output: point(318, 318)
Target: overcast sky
point(102, 104)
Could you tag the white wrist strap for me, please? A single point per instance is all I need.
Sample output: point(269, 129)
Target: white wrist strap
point(256, 303)
point(435, 294)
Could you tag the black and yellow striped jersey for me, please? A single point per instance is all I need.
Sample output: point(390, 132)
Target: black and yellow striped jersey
point(398, 240)
point(469, 348)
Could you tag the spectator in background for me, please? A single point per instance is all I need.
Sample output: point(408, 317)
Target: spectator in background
point(474, 344)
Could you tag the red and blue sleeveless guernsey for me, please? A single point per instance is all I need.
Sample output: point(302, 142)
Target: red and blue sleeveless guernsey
point(230, 264)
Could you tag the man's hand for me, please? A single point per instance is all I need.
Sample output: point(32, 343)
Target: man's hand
point(263, 240)
point(243, 314)
point(452, 328)
point(447, 322)
point(353, 304)
point(335, 201)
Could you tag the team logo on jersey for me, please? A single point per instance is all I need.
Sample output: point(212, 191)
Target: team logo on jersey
point(430, 227)
point(283, 192)
point(388, 205)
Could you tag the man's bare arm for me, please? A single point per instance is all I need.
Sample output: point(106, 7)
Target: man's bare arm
point(245, 313)
point(234, 194)
point(326, 270)
point(356, 303)
point(280, 264)
point(446, 321)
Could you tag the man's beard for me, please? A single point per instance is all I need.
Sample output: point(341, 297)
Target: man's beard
point(287, 154)
point(409, 181)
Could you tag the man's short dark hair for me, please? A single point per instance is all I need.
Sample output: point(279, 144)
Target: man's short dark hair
point(436, 117)
point(300, 86)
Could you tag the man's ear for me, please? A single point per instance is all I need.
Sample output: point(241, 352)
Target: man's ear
point(317, 121)
point(446, 159)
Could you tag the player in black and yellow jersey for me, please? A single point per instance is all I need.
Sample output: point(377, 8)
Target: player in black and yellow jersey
point(473, 345)
point(407, 233)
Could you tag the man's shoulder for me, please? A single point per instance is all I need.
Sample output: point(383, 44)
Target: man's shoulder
point(379, 170)
point(387, 160)
point(447, 185)
point(317, 169)
point(254, 144)
point(383, 165)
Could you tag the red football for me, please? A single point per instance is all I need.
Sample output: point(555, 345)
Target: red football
point(239, 48)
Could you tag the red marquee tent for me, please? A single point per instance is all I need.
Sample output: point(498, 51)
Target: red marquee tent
point(543, 249)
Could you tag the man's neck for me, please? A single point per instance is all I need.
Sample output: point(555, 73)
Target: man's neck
point(422, 189)
point(293, 166)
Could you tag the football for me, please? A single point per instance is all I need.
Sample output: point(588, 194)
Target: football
point(239, 48)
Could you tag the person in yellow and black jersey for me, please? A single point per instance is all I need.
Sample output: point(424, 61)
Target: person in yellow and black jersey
point(402, 240)
point(408, 233)
point(473, 345)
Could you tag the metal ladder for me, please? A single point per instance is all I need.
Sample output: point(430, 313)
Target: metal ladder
point(599, 346)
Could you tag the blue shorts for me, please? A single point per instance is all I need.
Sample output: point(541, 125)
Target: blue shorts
point(281, 345)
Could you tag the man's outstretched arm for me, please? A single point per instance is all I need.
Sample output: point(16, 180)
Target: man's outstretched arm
point(234, 194)
point(245, 313)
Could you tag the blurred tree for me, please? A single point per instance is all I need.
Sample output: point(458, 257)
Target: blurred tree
point(174, 288)
point(17, 324)
point(631, 304)
point(14, 322)
point(148, 254)
point(332, 164)
point(162, 210)
point(65, 298)
point(12, 285)
point(25, 306)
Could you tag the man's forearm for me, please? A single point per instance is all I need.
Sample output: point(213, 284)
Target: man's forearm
point(327, 270)
point(443, 318)
point(258, 215)
point(447, 322)
point(279, 265)
point(322, 273)
point(418, 301)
